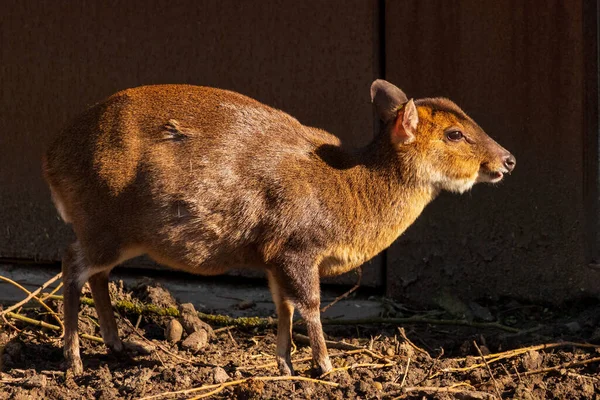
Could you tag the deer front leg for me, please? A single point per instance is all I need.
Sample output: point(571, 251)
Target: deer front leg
point(301, 284)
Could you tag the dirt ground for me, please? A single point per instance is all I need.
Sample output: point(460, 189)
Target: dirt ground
point(529, 351)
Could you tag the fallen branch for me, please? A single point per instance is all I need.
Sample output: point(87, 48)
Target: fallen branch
point(492, 358)
point(571, 364)
point(51, 311)
point(31, 294)
point(220, 386)
point(545, 346)
point(449, 389)
point(43, 324)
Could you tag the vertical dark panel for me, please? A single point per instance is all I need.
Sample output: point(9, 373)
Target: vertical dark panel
point(591, 154)
point(517, 68)
point(313, 59)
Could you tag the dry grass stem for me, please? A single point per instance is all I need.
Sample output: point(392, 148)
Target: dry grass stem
point(354, 366)
point(405, 372)
point(414, 346)
point(571, 364)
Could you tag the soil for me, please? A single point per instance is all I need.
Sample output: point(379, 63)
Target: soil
point(425, 360)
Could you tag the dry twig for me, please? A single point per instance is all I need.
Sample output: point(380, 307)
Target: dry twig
point(489, 370)
point(167, 351)
point(220, 386)
point(354, 366)
point(414, 346)
point(405, 373)
point(348, 293)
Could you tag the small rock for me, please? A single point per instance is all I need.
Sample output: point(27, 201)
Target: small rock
point(574, 326)
point(196, 341)
point(138, 347)
point(36, 381)
point(246, 304)
point(219, 375)
point(156, 294)
point(378, 385)
point(390, 351)
point(174, 331)
point(190, 320)
point(480, 312)
point(532, 360)
point(406, 350)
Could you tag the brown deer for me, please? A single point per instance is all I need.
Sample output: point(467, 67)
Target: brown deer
point(203, 180)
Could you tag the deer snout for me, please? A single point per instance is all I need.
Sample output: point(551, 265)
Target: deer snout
point(509, 162)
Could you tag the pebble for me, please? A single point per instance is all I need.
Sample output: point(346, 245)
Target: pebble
point(196, 341)
point(173, 331)
point(138, 347)
point(219, 375)
point(246, 304)
point(532, 360)
point(190, 320)
point(481, 312)
point(390, 351)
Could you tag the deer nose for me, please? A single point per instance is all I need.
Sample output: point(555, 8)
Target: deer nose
point(509, 162)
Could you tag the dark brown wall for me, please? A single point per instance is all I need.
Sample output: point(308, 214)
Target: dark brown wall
point(516, 67)
point(313, 59)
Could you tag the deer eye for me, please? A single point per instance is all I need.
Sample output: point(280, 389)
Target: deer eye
point(454, 136)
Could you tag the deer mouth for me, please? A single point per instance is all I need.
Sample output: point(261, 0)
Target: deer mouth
point(489, 176)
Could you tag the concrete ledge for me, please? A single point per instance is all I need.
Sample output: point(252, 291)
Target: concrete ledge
point(207, 294)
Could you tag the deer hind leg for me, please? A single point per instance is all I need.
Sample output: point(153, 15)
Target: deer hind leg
point(77, 269)
point(108, 325)
point(73, 275)
point(285, 313)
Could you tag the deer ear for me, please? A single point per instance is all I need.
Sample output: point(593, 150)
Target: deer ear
point(386, 98)
point(405, 126)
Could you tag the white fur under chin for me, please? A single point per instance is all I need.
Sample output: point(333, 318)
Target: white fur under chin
point(443, 182)
point(459, 186)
